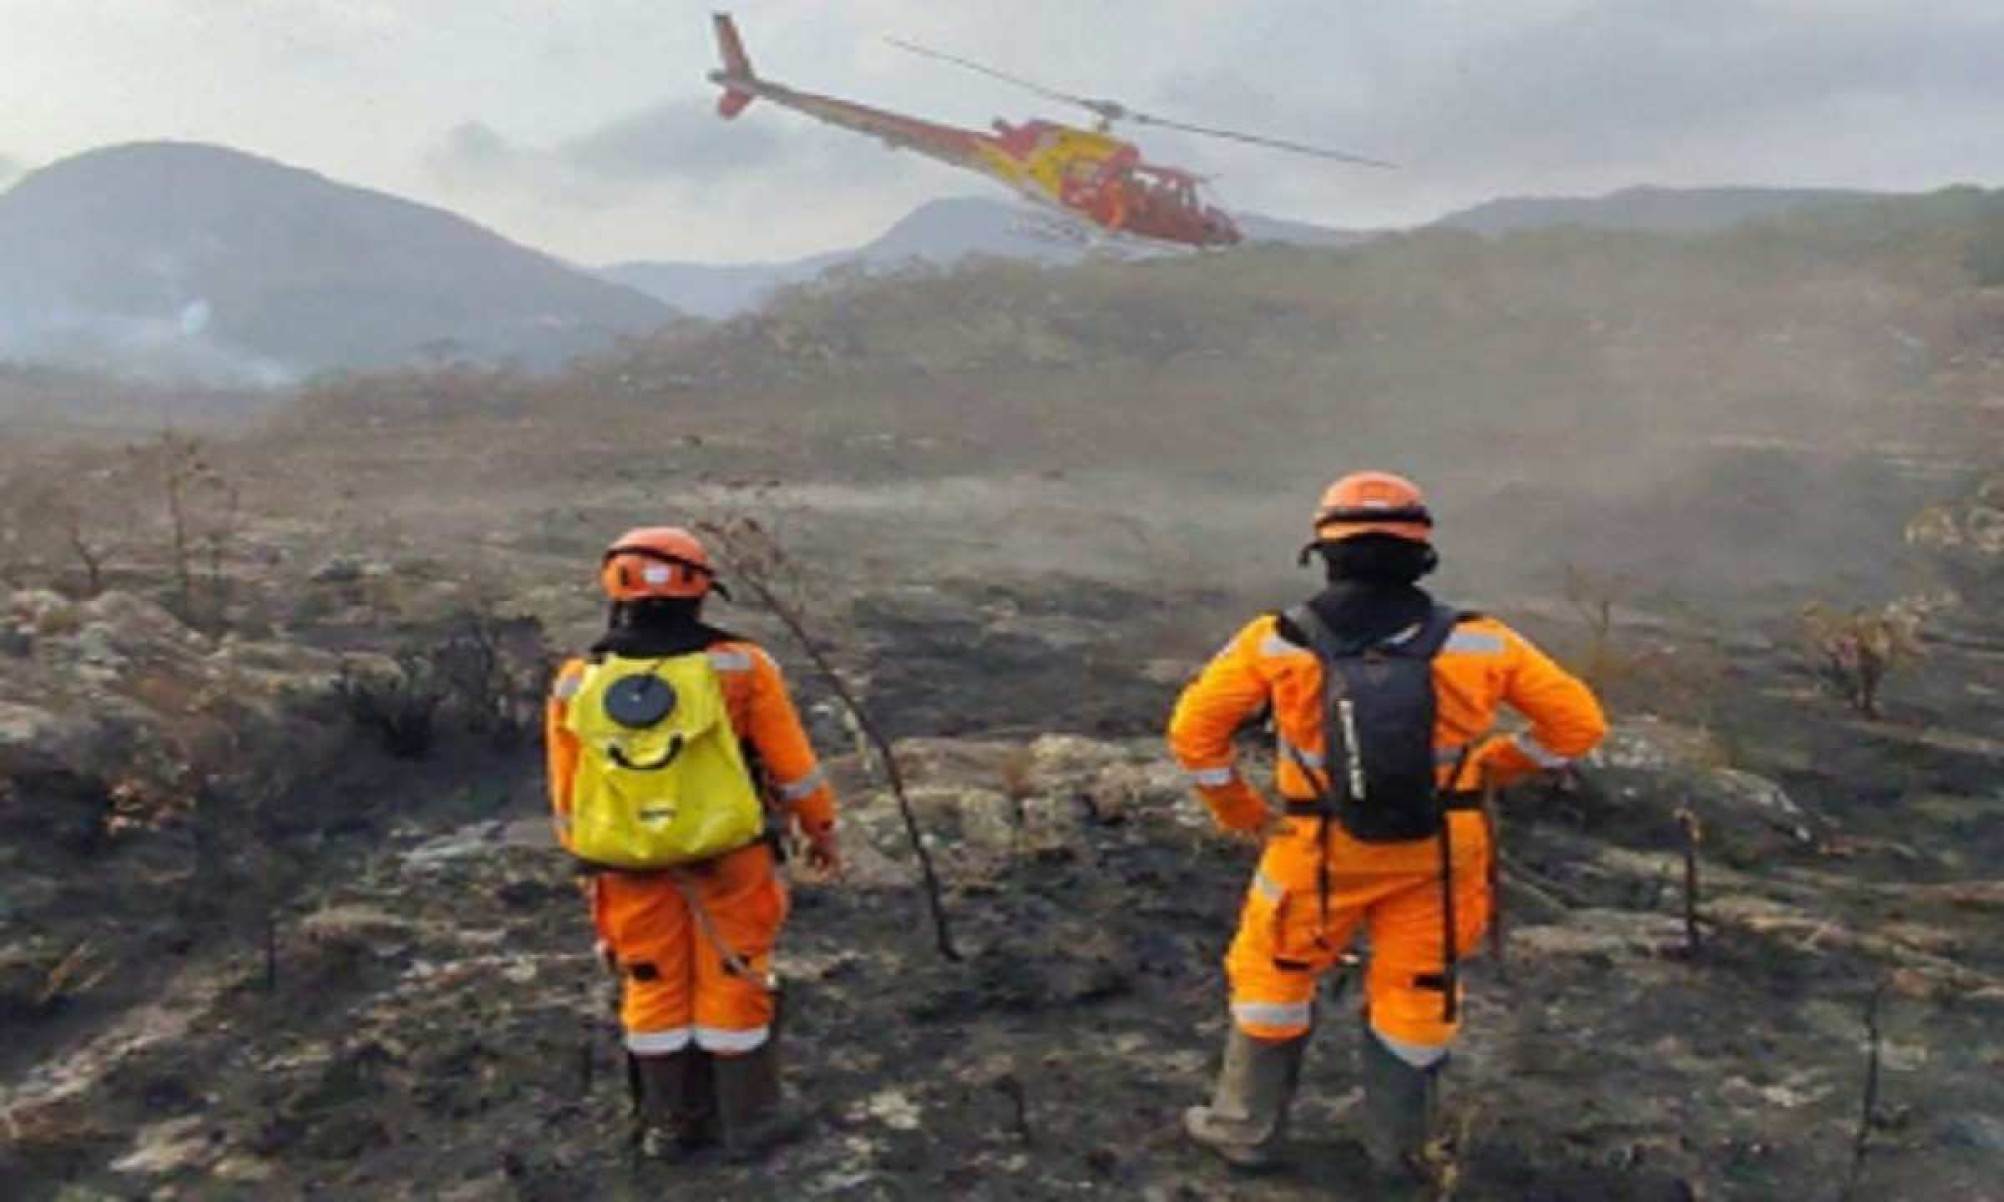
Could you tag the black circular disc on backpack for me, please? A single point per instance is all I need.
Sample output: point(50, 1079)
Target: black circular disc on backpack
point(639, 701)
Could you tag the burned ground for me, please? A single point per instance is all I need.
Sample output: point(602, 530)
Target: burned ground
point(428, 1020)
point(251, 948)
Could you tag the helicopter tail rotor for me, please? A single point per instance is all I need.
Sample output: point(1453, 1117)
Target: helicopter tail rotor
point(737, 68)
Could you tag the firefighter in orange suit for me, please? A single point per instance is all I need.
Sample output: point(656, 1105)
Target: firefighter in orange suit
point(693, 946)
point(1423, 902)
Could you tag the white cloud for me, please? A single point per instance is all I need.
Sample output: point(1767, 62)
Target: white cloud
point(587, 129)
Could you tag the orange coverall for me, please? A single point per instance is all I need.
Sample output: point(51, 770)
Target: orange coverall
point(1284, 943)
point(677, 987)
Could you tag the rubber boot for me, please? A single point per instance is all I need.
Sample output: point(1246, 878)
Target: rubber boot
point(753, 1114)
point(1247, 1117)
point(677, 1103)
point(1399, 1104)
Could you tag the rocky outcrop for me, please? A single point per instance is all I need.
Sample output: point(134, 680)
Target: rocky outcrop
point(986, 802)
point(116, 689)
point(1649, 770)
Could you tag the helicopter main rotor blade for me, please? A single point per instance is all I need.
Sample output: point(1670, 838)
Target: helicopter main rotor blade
point(1113, 110)
point(1109, 109)
point(1233, 135)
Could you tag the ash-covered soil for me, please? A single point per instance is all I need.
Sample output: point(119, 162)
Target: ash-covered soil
point(424, 1019)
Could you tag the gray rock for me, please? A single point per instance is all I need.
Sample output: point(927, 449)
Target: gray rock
point(136, 622)
point(38, 739)
point(1974, 1131)
point(1655, 768)
point(340, 569)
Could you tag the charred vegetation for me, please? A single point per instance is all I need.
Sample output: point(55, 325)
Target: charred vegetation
point(280, 910)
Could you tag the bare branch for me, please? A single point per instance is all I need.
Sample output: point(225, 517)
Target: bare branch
point(1861, 1143)
point(758, 564)
point(1693, 836)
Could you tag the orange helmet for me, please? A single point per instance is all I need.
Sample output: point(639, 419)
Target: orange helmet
point(656, 561)
point(1373, 503)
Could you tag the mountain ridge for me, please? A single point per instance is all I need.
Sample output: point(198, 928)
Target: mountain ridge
point(181, 258)
point(1648, 208)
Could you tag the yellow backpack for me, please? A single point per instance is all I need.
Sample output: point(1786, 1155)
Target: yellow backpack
point(660, 779)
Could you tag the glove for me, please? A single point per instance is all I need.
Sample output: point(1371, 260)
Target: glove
point(824, 850)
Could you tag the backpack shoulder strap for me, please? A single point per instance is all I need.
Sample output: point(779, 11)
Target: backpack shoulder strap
point(1302, 625)
point(1434, 632)
point(1314, 631)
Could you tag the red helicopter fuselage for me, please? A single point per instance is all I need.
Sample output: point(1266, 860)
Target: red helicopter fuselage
point(1088, 174)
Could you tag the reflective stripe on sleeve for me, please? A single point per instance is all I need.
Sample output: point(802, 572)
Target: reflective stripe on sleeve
point(723, 1039)
point(794, 790)
point(1271, 1014)
point(1542, 756)
point(1267, 887)
point(658, 1043)
point(1474, 642)
point(1211, 778)
point(567, 686)
point(731, 661)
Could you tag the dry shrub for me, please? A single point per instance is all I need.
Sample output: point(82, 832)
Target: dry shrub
point(398, 703)
point(485, 671)
point(1853, 652)
point(1677, 680)
point(61, 524)
point(495, 672)
point(758, 563)
point(1018, 768)
point(1593, 598)
point(202, 508)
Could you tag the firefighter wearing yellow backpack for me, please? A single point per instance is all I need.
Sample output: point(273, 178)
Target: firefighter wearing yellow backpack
point(1382, 704)
point(673, 749)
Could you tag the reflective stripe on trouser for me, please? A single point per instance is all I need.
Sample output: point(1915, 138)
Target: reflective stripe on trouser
point(1283, 947)
point(675, 988)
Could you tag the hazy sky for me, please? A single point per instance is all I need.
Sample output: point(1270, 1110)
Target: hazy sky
point(585, 126)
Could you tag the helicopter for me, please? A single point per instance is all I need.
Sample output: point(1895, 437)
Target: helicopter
point(1088, 174)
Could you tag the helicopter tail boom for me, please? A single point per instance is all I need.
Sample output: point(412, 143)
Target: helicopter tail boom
point(737, 67)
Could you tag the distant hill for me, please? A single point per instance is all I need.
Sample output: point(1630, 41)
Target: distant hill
point(1663, 210)
point(941, 232)
point(1259, 228)
point(175, 259)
